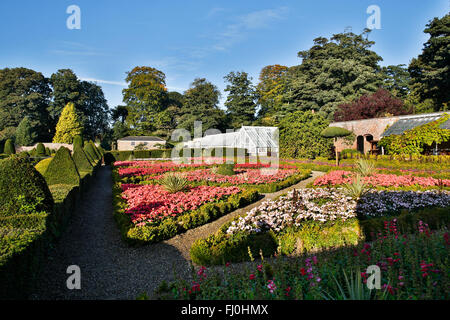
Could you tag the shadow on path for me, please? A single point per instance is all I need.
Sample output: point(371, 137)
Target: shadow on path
point(109, 268)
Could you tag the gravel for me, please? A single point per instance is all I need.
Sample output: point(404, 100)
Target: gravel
point(109, 268)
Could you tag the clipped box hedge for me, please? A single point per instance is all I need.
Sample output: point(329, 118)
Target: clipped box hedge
point(220, 248)
point(26, 237)
point(112, 156)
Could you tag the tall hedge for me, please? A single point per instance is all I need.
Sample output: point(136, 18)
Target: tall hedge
point(62, 169)
point(97, 152)
point(18, 177)
point(81, 160)
point(9, 147)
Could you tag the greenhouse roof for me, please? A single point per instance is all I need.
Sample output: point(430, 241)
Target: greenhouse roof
point(412, 122)
point(246, 137)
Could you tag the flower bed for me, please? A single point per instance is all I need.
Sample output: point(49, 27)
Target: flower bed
point(149, 204)
point(313, 219)
point(412, 267)
point(250, 176)
point(339, 177)
point(329, 205)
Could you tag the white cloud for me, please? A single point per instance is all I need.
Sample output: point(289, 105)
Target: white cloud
point(238, 31)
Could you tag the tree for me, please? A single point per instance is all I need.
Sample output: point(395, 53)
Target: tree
point(300, 135)
point(24, 92)
point(66, 88)
point(379, 104)
point(201, 104)
point(270, 88)
point(397, 80)
point(25, 135)
point(430, 71)
point(145, 97)
point(119, 113)
point(119, 130)
point(87, 97)
point(332, 72)
point(240, 103)
point(69, 125)
point(94, 109)
point(335, 133)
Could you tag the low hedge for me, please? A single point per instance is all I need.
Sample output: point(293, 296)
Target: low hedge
point(311, 236)
point(173, 226)
point(112, 156)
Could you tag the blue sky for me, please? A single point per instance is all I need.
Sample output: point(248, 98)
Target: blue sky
point(190, 39)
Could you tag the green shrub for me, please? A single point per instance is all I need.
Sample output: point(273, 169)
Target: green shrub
point(81, 160)
point(225, 169)
point(91, 154)
point(9, 147)
point(18, 177)
point(40, 150)
point(62, 169)
point(365, 167)
point(109, 158)
point(42, 165)
point(48, 152)
point(78, 141)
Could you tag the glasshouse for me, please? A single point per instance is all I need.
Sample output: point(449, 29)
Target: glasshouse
point(256, 140)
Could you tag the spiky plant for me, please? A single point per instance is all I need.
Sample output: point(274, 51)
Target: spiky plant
point(174, 182)
point(365, 167)
point(357, 188)
point(352, 289)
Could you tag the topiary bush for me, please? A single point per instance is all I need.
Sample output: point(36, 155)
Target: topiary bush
point(48, 152)
point(78, 141)
point(18, 178)
point(90, 152)
point(9, 147)
point(62, 169)
point(81, 160)
point(40, 150)
point(42, 165)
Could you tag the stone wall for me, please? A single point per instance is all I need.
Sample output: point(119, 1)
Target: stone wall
point(366, 129)
point(53, 146)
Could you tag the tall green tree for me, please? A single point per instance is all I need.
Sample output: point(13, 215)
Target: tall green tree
point(333, 71)
point(94, 109)
point(201, 103)
point(25, 134)
point(241, 99)
point(430, 71)
point(145, 97)
point(24, 92)
point(66, 88)
point(69, 125)
point(270, 88)
point(119, 113)
point(397, 80)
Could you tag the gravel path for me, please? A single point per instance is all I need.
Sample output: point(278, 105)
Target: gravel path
point(109, 268)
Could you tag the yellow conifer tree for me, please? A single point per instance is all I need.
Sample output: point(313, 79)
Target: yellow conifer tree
point(69, 125)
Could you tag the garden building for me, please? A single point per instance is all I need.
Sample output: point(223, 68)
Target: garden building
point(369, 132)
point(144, 142)
point(255, 140)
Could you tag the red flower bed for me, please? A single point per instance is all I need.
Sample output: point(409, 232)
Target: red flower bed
point(152, 203)
point(385, 180)
point(251, 176)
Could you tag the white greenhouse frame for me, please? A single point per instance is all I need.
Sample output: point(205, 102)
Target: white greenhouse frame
point(256, 140)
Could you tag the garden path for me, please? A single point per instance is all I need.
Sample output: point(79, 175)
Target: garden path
point(109, 268)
